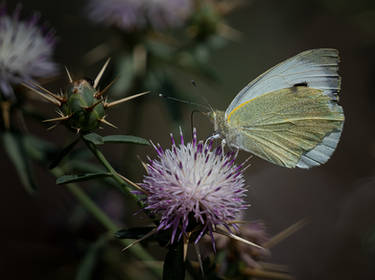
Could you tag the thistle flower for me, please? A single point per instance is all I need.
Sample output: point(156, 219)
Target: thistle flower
point(194, 189)
point(131, 15)
point(25, 51)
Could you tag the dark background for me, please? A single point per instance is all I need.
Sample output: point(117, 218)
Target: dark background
point(39, 233)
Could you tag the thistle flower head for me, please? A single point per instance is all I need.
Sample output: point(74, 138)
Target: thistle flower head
point(131, 15)
point(25, 51)
point(194, 188)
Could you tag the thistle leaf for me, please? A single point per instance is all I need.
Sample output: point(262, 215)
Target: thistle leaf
point(79, 178)
point(16, 152)
point(125, 139)
point(39, 150)
point(94, 138)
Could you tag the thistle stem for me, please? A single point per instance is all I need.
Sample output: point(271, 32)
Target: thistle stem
point(116, 176)
point(102, 217)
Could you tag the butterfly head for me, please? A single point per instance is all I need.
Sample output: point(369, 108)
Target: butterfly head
point(217, 118)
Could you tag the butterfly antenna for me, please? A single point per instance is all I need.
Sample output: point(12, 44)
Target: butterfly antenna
point(183, 101)
point(208, 104)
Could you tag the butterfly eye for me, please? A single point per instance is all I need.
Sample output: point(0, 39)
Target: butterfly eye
point(89, 80)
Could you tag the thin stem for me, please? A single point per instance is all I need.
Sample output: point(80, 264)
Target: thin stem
point(119, 178)
point(102, 217)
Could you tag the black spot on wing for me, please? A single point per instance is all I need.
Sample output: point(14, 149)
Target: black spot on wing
point(303, 84)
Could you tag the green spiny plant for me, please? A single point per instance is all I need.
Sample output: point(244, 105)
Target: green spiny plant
point(82, 107)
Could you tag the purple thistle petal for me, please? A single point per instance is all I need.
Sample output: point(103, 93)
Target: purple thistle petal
point(194, 137)
point(212, 239)
point(200, 147)
point(172, 140)
point(201, 234)
point(218, 151)
point(181, 137)
point(210, 144)
point(160, 149)
point(175, 227)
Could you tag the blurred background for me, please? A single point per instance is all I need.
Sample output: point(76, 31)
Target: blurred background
point(45, 235)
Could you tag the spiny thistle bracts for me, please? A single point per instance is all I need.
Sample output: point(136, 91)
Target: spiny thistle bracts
point(252, 231)
point(82, 106)
point(25, 51)
point(194, 188)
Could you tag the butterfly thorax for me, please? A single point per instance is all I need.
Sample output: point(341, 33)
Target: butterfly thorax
point(221, 127)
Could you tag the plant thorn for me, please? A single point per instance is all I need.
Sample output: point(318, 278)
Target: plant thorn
point(103, 120)
point(69, 76)
point(100, 74)
point(48, 98)
point(89, 108)
point(62, 118)
point(56, 96)
point(114, 103)
point(100, 93)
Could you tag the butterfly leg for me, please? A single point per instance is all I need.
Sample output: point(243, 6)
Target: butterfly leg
point(223, 143)
point(213, 137)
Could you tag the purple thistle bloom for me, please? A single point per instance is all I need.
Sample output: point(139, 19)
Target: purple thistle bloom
point(133, 15)
point(25, 51)
point(190, 185)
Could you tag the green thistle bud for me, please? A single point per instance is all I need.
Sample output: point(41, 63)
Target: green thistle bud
point(82, 107)
point(85, 109)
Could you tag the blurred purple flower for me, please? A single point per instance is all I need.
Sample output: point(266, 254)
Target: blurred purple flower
point(194, 188)
point(25, 51)
point(132, 15)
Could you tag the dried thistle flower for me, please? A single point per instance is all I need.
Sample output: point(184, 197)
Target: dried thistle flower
point(251, 231)
point(25, 51)
point(132, 15)
point(194, 189)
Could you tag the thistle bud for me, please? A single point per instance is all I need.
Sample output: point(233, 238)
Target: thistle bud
point(82, 107)
point(85, 108)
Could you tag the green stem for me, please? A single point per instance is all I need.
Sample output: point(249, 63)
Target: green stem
point(90, 205)
point(118, 178)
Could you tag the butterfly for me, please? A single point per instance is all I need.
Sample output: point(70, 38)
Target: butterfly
point(289, 115)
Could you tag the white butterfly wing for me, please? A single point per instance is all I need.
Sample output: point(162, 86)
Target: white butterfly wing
point(322, 152)
point(317, 68)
